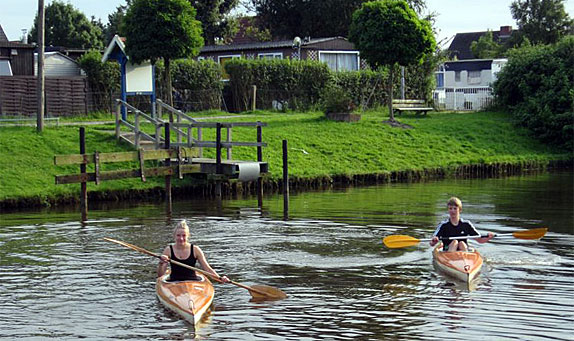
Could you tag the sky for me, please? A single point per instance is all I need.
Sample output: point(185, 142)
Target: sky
point(453, 16)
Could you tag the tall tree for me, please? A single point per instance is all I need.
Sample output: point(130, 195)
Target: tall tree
point(542, 21)
point(486, 47)
point(67, 26)
point(388, 33)
point(162, 29)
point(325, 18)
point(215, 18)
point(115, 22)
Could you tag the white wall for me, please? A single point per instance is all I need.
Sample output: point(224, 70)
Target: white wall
point(483, 78)
point(57, 65)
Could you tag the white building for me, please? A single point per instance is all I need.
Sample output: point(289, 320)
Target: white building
point(58, 65)
point(466, 84)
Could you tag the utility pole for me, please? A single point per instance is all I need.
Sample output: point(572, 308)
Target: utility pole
point(40, 85)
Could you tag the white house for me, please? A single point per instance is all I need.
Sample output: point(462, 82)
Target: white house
point(466, 84)
point(58, 65)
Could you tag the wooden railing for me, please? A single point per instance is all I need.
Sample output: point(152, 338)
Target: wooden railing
point(135, 128)
point(188, 131)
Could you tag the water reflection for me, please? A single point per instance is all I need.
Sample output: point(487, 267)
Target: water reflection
point(60, 280)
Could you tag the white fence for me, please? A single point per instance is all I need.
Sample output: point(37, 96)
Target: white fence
point(468, 98)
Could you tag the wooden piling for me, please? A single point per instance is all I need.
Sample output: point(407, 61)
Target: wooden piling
point(84, 185)
point(285, 181)
point(259, 159)
point(168, 163)
point(218, 168)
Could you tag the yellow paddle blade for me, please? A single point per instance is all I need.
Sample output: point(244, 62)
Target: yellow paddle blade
point(399, 240)
point(266, 292)
point(531, 234)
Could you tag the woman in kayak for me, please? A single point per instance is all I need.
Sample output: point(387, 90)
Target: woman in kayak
point(184, 252)
point(455, 226)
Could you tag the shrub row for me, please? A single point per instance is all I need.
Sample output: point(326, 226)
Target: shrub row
point(281, 84)
point(537, 87)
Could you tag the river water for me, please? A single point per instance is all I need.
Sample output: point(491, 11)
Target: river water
point(60, 280)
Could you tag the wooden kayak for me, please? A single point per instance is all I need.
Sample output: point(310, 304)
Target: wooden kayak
point(462, 265)
point(188, 299)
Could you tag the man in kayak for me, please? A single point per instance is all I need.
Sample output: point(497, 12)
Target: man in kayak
point(455, 226)
point(186, 253)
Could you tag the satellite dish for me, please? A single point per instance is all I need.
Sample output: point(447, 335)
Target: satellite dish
point(296, 42)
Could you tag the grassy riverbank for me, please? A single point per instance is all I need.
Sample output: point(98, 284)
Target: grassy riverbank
point(318, 148)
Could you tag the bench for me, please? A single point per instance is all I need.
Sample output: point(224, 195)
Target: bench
point(416, 105)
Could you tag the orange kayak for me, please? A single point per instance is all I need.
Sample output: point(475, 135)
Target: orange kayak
point(188, 299)
point(462, 265)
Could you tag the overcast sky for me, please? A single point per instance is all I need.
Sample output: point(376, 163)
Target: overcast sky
point(453, 15)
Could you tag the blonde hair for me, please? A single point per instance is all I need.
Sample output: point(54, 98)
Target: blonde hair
point(454, 201)
point(183, 226)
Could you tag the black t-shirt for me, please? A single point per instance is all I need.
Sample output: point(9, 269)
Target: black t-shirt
point(446, 229)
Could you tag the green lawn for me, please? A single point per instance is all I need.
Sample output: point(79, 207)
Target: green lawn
point(317, 148)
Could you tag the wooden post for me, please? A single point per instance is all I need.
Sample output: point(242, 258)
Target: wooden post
point(285, 182)
point(167, 163)
point(118, 115)
point(229, 156)
point(84, 185)
point(41, 78)
point(179, 135)
point(259, 159)
point(200, 138)
point(254, 102)
point(137, 130)
point(218, 169)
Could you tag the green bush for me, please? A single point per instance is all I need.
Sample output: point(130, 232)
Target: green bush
point(537, 86)
point(366, 88)
point(197, 85)
point(336, 100)
point(104, 78)
point(283, 83)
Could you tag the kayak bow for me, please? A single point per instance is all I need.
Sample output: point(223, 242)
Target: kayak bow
point(188, 299)
point(462, 265)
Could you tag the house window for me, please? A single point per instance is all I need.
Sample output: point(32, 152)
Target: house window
point(457, 76)
point(439, 79)
point(473, 77)
point(221, 60)
point(5, 68)
point(340, 60)
point(273, 55)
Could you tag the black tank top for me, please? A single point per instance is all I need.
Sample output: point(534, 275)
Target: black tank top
point(179, 273)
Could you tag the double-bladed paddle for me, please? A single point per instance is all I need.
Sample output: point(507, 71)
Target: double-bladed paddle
point(399, 241)
point(258, 292)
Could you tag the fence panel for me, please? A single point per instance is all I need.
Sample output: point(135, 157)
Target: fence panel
point(463, 99)
point(64, 96)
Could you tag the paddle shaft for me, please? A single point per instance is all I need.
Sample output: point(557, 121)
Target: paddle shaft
point(462, 237)
point(208, 274)
point(495, 235)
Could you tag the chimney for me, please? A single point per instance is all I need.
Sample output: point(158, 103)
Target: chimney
point(24, 38)
point(505, 31)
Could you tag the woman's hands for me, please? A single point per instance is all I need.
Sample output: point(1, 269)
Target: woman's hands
point(433, 241)
point(163, 259)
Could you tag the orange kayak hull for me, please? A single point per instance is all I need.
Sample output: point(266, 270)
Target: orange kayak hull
point(462, 265)
point(188, 299)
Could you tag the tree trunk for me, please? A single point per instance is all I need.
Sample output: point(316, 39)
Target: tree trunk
point(169, 95)
point(390, 98)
